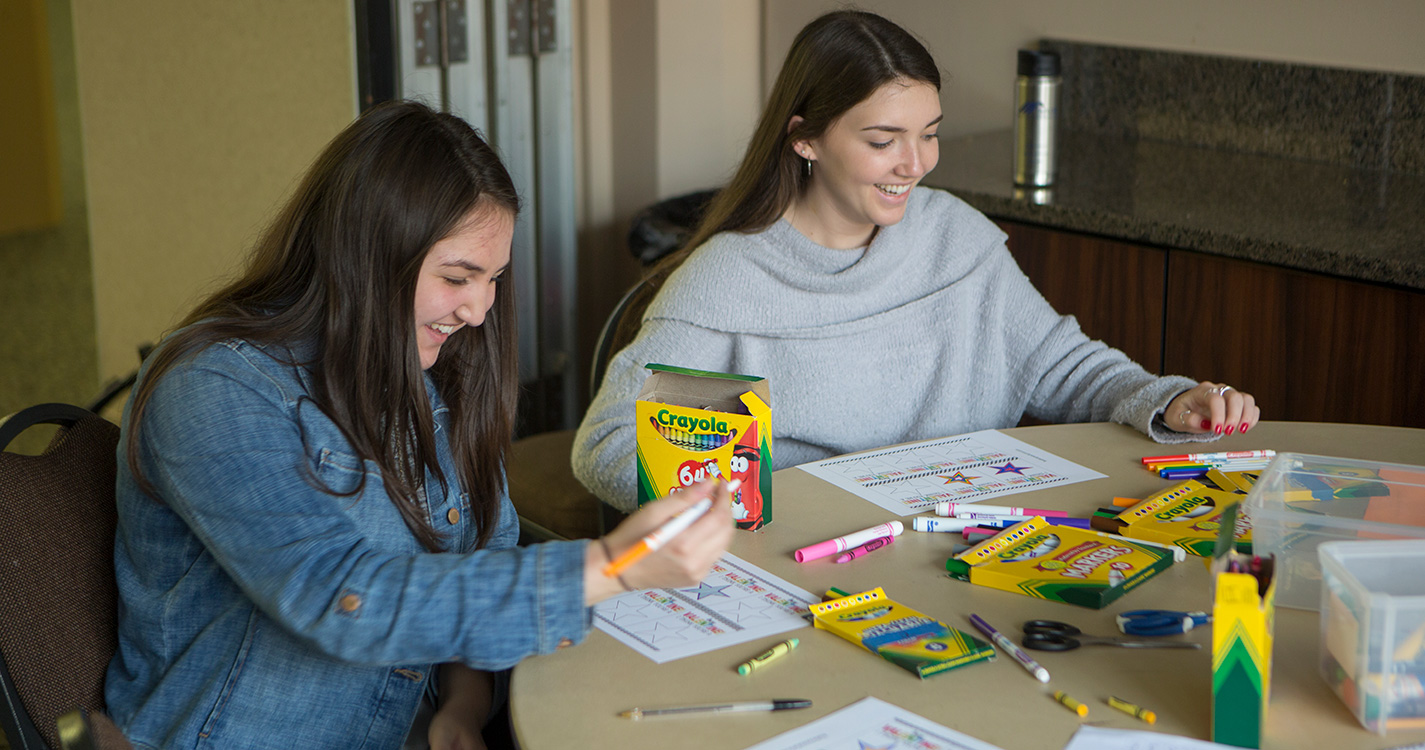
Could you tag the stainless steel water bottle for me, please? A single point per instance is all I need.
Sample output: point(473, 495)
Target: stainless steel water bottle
point(1036, 110)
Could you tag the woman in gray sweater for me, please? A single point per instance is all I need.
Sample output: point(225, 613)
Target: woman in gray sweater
point(879, 311)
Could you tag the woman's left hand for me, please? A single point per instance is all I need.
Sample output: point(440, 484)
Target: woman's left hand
point(1212, 407)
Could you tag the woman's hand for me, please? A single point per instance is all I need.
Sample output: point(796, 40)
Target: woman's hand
point(682, 561)
point(1212, 407)
point(465, 695)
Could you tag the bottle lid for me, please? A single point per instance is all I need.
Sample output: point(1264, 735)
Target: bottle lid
point(1035, 63)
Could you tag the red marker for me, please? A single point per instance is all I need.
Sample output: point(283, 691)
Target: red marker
point(1209, 456)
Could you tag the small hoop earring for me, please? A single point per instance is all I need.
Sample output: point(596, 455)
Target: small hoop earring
point(808, 167)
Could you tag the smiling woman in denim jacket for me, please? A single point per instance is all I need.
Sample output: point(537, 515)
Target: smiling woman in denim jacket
point(315, 545)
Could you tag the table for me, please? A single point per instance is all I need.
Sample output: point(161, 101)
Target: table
point(572, 698)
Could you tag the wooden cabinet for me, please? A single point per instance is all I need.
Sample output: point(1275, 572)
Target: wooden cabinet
point(1313, 348)
point(1114, 289)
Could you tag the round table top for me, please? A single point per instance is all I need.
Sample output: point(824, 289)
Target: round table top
point(572, 698)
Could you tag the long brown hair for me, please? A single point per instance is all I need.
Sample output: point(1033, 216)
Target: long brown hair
point(335, 273)
point(836, 62)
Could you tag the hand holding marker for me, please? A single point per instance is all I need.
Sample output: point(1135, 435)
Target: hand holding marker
point(663, 534)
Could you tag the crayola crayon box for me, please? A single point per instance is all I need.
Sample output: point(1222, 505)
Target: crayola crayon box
point(1242, 620)
point(900, 635)
point(692, 424)
point(1061, 563)
point(1188, 515)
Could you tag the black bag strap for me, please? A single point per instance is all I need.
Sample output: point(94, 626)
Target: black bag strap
point(55, 413)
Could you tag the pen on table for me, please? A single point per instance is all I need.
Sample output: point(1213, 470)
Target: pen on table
point(1014, 651)
point(843, 543)
point(1132, 710)
point(781, 704)
point(660, 536)
point(766, 656)
point(864, 549)
point(1210, 456)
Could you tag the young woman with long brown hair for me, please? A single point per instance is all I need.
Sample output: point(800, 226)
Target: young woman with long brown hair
point(879, 311)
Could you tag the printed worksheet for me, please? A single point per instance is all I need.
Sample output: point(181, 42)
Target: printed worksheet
point(872, 723)
point(963, 469)
point(1103, 738)
point(736, 603)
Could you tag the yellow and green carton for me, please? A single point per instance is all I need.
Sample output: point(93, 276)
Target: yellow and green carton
point(1242, 620)
point(1188, 515)
point(1061, 563)
point(693, 424)
point(902, 636)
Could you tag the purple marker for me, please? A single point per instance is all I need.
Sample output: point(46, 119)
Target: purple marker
point(864, 549)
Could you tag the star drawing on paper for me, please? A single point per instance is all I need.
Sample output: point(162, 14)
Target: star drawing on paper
point(958, 476)
point(1009, 467)
point(705, 589)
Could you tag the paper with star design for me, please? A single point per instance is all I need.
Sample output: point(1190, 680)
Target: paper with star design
point(873, 724)
point(967, 468)
point(736, 603)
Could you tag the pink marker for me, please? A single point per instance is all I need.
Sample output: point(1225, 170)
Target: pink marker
point(864, 549)
point(843, 543)
point(955, 509)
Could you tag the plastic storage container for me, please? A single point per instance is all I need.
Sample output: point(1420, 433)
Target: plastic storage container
point(1301, 501)
point(1373, 630)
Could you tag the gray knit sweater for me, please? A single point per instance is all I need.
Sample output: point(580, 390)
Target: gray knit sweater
point(930, 331)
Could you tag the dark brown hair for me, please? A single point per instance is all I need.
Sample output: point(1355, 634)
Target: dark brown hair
point(836, 62)
point(335, 275)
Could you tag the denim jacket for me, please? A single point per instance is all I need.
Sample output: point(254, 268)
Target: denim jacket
point(258, 611)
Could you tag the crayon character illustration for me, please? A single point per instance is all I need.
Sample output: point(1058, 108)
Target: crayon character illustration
point(745, 464)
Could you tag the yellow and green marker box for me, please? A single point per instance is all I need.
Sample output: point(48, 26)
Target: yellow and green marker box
point(693, 424)
point(1189, 515)
point(1242, 620)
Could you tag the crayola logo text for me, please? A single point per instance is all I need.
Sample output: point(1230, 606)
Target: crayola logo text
point(1177, 510)
point(692, 424)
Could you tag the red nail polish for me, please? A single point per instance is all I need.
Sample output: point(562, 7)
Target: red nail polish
point(1244, 427)
point(1230, 428)
point(1218, 430)
point(1206, 423)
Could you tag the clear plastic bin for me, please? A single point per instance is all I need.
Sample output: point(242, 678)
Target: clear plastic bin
point(1373, 630)
point(1301, 501)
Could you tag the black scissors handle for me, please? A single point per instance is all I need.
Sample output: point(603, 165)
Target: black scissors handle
point(1052, 635)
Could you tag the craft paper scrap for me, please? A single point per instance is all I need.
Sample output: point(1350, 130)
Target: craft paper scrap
point(736, 603)
point(873, 723)
point(966, 468)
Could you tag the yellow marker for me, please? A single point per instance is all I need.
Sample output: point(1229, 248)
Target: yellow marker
point(766, 656)
point(1071, 704)
point(1132, 710)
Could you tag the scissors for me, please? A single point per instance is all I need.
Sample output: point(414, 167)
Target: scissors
point(1052, 635)
point(1160, 621)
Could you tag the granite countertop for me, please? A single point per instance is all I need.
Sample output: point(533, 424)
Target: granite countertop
point(1350, 222)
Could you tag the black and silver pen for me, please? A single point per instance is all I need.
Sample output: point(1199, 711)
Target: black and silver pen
point(784, 704)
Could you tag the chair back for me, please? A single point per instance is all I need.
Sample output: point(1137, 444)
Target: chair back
point(58, 610)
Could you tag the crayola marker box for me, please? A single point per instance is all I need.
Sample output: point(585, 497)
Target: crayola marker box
point(1188, 515)
point(1061, 563)
point(902, 636)
point(692, 424)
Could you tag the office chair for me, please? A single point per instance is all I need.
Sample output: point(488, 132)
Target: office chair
point(58, 611)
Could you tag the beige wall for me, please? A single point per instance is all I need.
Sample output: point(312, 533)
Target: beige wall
point(974, 40)
point(668, 94)
point(47, 348)
point(196, 119)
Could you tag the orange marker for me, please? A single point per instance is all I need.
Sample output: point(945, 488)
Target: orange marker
point(661, 535)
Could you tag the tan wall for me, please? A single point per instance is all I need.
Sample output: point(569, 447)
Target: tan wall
point(668, 93)
point(974, 40)
point(197, 118)
point(47, 348)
